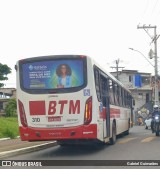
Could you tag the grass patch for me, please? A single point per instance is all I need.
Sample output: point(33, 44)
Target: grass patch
point(9, 127)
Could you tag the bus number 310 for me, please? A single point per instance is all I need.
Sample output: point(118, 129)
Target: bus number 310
point(35, 119)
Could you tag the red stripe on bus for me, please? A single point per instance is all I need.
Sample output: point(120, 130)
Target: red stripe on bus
point(37, 108)
point(79, 132)
point(114, 116)
point(114, 113)
point(103, 114)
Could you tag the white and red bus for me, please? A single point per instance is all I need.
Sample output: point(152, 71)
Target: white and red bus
point(69, 98)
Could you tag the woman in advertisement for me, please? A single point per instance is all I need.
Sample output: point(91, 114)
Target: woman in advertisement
point(64, 76)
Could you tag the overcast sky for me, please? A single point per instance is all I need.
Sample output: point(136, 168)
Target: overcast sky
point(102, 29)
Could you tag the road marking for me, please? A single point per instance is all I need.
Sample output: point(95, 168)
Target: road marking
point(148, 139)
point(126, 140)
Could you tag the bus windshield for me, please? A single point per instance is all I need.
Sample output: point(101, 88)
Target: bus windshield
point(53, 74)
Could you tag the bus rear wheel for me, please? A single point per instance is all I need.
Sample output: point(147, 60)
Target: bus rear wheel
point(113, 138)
point(127, 131)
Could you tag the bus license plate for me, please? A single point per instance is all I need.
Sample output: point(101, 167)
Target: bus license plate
point(54, 118)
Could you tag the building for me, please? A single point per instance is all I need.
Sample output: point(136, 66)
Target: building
point(139, 83)
point(153, 86)
point(5, 95)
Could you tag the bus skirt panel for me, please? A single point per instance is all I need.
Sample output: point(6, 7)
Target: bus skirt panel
point(78, 132)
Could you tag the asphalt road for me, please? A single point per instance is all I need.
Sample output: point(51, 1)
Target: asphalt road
point(140, 144)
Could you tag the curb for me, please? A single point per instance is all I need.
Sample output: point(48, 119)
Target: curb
point(11, 153)
point(3, 139)
point(7, 138)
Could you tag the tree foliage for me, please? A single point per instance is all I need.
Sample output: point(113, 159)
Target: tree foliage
point(11, 108)
point(4, 71)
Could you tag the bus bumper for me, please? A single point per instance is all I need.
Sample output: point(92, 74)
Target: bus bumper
point(79, 132)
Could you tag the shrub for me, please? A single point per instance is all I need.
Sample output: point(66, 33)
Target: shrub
point(11, 108)
point(9, 133)
point(9, 127)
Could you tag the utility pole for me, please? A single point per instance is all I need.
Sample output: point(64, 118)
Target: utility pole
point(117, 67)
point(154, 39)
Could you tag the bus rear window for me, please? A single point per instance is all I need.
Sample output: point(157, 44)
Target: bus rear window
point(53, 74)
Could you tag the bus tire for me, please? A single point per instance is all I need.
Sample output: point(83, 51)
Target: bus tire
point(113, 138)
point(127, 131)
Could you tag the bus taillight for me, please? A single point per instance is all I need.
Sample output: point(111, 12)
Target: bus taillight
point(22, 114)
point(88, 111)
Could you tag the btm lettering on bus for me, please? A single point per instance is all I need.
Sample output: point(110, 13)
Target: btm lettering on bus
point(74, 107)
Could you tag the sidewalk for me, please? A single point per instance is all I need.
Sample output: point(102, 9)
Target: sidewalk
point(13, 147)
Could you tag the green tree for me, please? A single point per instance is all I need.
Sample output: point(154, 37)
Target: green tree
point(4, 71)
point(11, 108)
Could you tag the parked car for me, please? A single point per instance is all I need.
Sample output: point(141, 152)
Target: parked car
point(148, 122)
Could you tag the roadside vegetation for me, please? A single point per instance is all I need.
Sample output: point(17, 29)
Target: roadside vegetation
point(9, 123)
point(11, 108)
point(9, 127)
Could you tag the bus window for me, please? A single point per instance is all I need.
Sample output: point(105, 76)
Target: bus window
point(123, 97)
point(116, 94)
point(129, 101)
point(111, 91)
point(96, 77)
point(120, 97)
point(55, 74)
point(104, 91)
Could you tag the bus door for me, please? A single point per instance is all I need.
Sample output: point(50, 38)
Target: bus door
point(104, 85)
